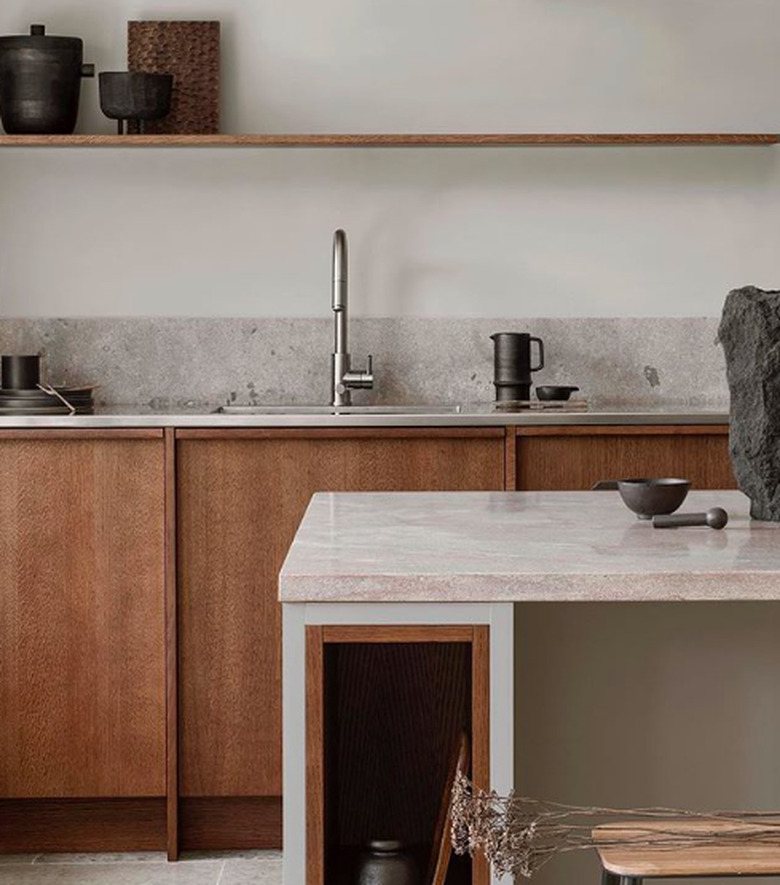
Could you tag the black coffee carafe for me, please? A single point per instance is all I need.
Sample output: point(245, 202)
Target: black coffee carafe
point(513, 365)
point(40, 83)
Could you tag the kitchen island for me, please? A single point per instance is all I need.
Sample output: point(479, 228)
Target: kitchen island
point(426, 568)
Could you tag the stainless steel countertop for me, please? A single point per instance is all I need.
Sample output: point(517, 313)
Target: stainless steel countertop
point(471, 415)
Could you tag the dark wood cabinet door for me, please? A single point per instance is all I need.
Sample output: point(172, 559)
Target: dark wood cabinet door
point(574, 458)
point(241, 496)
point(82, 658)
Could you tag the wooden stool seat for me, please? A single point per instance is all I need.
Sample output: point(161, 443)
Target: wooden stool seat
point(723, 856)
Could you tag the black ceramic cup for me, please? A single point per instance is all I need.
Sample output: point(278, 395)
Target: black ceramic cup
point(513, 365)
point(21, 372)
point(135, 95)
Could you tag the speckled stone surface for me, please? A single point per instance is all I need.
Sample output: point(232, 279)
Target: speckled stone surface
point(523, 546)
point(190, 363)
point(254, 867)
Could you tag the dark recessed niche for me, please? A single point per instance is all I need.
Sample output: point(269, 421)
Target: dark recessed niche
point(395, 713)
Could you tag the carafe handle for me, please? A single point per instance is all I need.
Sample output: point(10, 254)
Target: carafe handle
point(541, 354)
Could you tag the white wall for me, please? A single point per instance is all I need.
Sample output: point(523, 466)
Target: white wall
point(509, 232)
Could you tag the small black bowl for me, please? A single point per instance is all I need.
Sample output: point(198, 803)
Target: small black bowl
point(135, 95)
point(653, 497)
point(550, 392)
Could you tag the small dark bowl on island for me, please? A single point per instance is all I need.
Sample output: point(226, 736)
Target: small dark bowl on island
point(653, 497)
point(135, 95)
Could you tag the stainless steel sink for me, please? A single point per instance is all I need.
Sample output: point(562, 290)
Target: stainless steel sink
point(340, 410)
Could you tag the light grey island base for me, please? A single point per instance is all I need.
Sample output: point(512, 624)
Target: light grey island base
point(466, 558)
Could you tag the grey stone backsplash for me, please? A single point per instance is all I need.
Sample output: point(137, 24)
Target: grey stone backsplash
point(185, 363)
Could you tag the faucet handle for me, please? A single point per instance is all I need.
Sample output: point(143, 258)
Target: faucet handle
point(359, 380)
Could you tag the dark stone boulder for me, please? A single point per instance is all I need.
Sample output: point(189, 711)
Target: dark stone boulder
point(750, 335)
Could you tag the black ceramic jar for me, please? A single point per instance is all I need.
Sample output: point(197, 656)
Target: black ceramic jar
point(40, 83)
point(386, 863)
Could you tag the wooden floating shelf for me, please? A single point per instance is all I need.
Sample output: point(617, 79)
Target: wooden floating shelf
point(392, 140)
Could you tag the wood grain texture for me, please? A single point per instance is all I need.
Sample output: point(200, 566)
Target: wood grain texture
point(442, 839)
point(480, 729)
point(29, 826)
point(394, 713)
point(82, 664)
point(324, 433)
point(718, 859)
point(171, 653)
point(381, 633)
point(510, 459)
point(315, 757)
point(49, 434)
point(575, 461)
point(227, 823)
point(625, 430)
point(240, 502)
point(393, 140)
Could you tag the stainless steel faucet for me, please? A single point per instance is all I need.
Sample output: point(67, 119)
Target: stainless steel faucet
point(343, 379)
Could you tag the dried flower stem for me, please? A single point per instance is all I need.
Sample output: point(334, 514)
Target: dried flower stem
point(519, 835)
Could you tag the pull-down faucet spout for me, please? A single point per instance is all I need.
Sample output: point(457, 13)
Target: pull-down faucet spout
point(340, 290)
point(343, 379)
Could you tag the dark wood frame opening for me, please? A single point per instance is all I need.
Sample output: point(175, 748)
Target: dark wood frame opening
point(386, 709)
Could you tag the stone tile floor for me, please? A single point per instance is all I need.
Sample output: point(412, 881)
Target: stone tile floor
point(143, 868)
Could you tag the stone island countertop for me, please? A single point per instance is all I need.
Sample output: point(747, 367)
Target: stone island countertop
point(523, 546)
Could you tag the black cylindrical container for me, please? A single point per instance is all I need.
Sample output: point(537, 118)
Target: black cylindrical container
point(40, 83)
point(21, 372)
point(513, 365)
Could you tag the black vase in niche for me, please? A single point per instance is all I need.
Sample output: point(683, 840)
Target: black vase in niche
point(385, 862)
point(135, 96)
point(40, 83)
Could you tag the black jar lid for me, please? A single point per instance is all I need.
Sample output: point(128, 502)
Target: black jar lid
point(38, 39)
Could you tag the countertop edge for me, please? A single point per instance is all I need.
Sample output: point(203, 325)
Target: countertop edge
point(758, 586)
point(463, 419)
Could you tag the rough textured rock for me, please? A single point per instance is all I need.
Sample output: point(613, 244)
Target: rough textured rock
point(750, 335)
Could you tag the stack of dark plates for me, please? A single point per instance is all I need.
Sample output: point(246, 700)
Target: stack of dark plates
point(23, 394)
point(39, 402)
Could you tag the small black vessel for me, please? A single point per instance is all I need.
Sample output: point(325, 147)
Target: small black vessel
point(136, 96)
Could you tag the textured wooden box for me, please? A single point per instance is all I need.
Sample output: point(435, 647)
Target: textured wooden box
point(189, 51)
